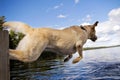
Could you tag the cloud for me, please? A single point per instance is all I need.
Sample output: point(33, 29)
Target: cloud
point(58, 6)
point(87, 18)
point(114, 16)
point(85, 23)
point(76, 1)
point(108, 32)
point(54, 7)
point(61, 16)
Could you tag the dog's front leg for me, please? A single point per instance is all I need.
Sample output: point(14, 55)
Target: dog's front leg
point(79, 50)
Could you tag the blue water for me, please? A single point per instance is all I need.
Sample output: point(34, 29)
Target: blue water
point(99, 64)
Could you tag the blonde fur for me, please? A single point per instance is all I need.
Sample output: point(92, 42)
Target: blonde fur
point(18, 27)
point(66, 41)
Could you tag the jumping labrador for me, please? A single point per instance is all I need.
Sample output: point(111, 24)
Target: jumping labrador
point(66, 41)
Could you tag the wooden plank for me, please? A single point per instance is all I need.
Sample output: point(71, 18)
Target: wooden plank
point(4, 57)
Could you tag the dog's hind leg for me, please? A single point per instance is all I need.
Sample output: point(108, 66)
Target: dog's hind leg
point(29, 54)
point(20, 55)
point(16, 55)
point(29, 49)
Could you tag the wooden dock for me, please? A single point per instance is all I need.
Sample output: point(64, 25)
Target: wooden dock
point(4, 56)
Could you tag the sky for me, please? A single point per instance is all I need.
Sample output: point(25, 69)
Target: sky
point(64, 13)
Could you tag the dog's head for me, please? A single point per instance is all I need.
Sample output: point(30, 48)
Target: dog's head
point(91, 30)
point(92, 35)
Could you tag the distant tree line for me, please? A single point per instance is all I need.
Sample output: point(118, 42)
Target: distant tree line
point(2, 20)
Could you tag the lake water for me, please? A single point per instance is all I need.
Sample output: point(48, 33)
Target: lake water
point(99, 64)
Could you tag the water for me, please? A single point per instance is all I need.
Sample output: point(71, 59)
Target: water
point(99, 64)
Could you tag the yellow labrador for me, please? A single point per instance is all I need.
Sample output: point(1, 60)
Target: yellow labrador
point(66, 41)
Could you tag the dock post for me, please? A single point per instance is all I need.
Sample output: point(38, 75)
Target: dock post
point(4, 56)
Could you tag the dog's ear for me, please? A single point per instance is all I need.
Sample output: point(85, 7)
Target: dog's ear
point(96, 23)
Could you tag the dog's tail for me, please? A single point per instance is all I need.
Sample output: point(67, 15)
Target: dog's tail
point(18, 27)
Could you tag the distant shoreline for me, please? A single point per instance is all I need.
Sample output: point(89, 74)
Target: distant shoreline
point(101, 47)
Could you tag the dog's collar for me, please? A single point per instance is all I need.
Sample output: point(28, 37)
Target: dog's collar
point(83, 28)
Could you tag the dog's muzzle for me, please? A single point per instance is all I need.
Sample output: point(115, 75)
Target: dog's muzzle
point(94, 38)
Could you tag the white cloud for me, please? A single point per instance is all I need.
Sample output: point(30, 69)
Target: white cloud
point(109, 31)
point(114, 16)
point(55, 7)
point(116, 28)
point(76, 1)
point(60, 28)
point(58, 6)
point(104, 38)
point(85, 23)
point(61, 16)
point(87, 18)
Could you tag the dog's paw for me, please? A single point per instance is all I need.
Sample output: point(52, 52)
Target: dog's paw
point(76, 60)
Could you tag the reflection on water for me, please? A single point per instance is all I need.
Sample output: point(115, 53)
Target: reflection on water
point(100, 64)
